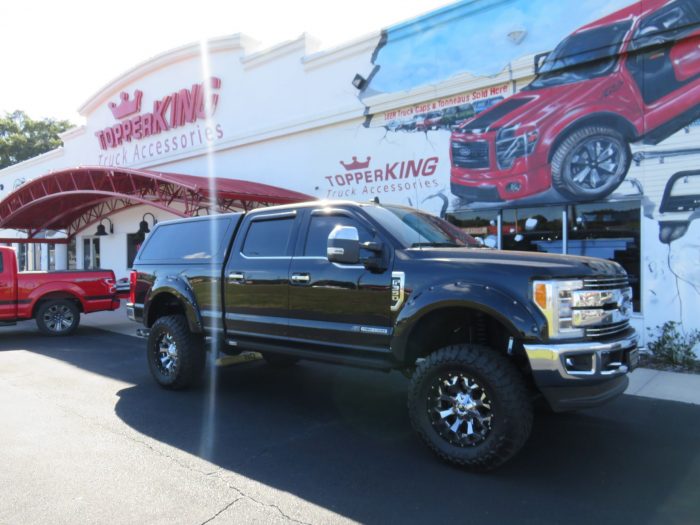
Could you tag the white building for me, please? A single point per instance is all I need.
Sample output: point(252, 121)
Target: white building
point(335, 123)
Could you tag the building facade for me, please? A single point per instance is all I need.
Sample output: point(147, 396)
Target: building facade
point(568, 128)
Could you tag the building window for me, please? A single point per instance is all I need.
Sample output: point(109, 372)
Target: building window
point(91, 253)
point(609, 230)
point(52, 256)
point(533, 229)
point(482, 225)
point(72, 254)
point(22, 259)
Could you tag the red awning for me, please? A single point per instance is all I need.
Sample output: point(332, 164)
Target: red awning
point(73, 199)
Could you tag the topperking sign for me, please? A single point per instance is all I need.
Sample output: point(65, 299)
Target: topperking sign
point(174, 111)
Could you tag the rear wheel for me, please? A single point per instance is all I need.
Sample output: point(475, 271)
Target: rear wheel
point(470, 406)
point(590, 163)
point(176, 356)
point(57, 317)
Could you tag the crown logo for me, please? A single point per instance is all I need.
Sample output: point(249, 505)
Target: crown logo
point(126, 107)
point(356, 164)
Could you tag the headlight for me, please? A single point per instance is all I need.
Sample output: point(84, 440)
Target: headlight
point(554, 299)
point(513, 142)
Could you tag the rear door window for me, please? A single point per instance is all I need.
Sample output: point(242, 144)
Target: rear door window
point(268, 238)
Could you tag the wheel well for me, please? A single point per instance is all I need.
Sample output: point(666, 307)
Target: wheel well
point(57, 295)
point(455, 325)
point(611, 120)
point(164, 304)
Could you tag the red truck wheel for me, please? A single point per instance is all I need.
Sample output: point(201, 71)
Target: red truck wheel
point(57, 317)
point(590, 163)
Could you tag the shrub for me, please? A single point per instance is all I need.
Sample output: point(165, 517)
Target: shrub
point(673, 347)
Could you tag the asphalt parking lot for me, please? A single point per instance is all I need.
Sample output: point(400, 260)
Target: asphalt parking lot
point(87, 437)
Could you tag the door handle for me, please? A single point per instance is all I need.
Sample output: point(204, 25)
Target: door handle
point(236, 277)
point(301, 278)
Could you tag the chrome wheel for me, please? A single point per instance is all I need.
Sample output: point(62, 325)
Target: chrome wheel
point(167, 358)
point(596, 164)
point(460, 410)
point(58, 318)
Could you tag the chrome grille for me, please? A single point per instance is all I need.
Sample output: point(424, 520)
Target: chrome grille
point(606, 283)
point(606, 330)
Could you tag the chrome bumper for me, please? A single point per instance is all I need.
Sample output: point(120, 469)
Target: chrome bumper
point(585, 374)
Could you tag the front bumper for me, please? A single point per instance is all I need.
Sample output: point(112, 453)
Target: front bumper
point(585, 374)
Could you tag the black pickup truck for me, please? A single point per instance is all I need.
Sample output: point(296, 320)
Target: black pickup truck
point(481, 333)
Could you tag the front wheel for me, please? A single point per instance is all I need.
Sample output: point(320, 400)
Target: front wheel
point(57, 317)
point(175, 355)
point(590, 163)
point(470, 405)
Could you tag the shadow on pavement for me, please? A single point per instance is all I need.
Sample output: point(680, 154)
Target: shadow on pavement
point(340, 438)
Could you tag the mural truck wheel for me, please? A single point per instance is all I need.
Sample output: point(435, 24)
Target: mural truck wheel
point(590, 163)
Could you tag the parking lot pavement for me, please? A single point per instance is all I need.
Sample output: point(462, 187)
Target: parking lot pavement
point(88, 437)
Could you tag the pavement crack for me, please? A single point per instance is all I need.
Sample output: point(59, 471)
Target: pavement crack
point(224, 509)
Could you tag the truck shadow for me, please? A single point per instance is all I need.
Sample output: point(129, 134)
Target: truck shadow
point(340, 438)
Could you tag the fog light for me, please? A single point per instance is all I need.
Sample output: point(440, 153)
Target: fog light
point(513, 187)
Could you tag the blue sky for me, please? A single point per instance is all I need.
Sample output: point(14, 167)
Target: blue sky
point(471, 36)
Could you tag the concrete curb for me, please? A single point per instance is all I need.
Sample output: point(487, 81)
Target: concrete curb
point(671, 386)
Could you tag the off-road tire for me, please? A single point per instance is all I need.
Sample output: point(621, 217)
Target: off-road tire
point(563, 176)
point(64, 307)
point(279, 360)
point(510, 401)
point(191, 355)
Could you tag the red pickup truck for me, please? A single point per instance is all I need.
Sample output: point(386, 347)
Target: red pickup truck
point(629, 77)
point(54, 299)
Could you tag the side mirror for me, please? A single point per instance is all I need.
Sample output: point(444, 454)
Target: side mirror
point(539, 61)
point(344, 245)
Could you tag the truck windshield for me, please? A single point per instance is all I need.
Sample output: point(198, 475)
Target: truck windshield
point(416, 229)
point(584, 55)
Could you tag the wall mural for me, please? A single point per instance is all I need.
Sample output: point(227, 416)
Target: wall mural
point(578, 104)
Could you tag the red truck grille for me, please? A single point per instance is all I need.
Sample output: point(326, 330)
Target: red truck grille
point(470, 154)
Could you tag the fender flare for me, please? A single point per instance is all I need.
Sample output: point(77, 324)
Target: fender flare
point(183, 293)
point(71, 290)
point(520, 321)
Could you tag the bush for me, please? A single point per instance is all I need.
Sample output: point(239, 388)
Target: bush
point(673, 347)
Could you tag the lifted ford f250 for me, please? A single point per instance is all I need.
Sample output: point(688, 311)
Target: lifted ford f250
point(481, 333)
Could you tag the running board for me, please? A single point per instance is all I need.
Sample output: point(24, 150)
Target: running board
point(315, 355)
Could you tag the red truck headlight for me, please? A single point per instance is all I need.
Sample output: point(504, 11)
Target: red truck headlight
point(513, 142)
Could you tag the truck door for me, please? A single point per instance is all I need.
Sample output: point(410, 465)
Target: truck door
point(331, 305)
point(256, 278)
point(664, 62)
point(8, 286)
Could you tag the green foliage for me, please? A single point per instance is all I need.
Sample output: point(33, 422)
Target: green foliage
point(673, 347)
point(22, 138)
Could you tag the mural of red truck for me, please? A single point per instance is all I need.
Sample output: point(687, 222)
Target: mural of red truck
point(632, 76)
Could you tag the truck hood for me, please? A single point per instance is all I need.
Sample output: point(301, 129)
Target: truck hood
point(504, 266)
point(532, 107)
